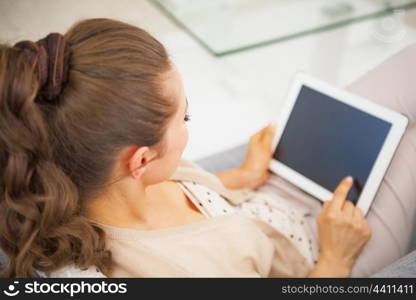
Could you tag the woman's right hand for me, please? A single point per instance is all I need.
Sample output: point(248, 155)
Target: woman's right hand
point(343, 232)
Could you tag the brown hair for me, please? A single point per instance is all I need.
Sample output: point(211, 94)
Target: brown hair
point(55, 155)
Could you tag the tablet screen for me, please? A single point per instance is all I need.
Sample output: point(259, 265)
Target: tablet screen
point(326, 140)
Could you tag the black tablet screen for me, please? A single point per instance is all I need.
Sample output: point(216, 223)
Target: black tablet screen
point(326, 140)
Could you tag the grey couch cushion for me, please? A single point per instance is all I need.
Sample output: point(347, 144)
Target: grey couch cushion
point(404, 267)
point(228, 159)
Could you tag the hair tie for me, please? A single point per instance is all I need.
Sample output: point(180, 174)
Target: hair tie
point(52, 56)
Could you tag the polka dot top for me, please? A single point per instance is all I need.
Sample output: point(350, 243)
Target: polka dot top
point(290, 222)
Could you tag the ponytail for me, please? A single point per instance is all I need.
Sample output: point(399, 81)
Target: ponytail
point(40, 222)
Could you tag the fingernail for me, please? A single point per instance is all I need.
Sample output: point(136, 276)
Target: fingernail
point(349, 179)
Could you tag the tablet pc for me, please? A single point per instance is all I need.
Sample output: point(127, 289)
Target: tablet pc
point(325, 134)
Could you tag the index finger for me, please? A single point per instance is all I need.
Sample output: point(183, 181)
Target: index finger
point(340, 193)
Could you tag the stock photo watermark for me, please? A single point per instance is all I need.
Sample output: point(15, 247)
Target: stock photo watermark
point(68, 288)
point(390, 28)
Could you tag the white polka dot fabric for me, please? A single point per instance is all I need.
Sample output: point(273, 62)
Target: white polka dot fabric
point(289, 221)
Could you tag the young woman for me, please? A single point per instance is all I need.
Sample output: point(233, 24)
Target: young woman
point(92, 129)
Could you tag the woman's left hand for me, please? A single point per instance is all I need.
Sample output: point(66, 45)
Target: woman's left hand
point(259, 154)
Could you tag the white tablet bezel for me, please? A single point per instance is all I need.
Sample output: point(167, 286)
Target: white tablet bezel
point(399, 123)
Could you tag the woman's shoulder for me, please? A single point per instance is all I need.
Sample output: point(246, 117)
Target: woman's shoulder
point(73, 271)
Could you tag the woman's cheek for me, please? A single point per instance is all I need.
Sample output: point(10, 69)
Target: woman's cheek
point(187, 134)
point(185, 138)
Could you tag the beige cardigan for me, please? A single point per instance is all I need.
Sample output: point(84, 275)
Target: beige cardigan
point(226, 246)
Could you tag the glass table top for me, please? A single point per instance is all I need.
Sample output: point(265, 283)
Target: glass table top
point(228, 26)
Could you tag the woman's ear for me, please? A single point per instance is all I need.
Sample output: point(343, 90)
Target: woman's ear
point(139, 161)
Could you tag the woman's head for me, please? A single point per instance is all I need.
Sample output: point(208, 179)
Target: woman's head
point(117, 110)
point(135, 159)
